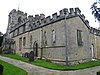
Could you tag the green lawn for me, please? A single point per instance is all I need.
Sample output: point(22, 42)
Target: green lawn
point(10, 69)
point(53, 66)
point(15, 57)
point(49, 65)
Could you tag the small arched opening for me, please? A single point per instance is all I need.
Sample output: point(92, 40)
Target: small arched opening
point(35, 49)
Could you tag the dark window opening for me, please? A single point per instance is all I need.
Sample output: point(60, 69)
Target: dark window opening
point(24, 41)
point(79, 38)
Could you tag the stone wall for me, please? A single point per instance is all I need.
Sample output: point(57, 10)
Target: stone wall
point(55, 50)
point(93, 43)
point(76, 52)
point(25, 48)
point(97, 39)
point(36, 37)
point(49, 33)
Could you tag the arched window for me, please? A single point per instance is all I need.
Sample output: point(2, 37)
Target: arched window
point(53, 36)
point(79, 38)
point(20, 43)
point(35, 49)
point(31, 41)
point(45, 38)
point(24, 41)
point(92, 51)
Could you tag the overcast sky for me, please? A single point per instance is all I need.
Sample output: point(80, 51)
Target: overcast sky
point(48, 7)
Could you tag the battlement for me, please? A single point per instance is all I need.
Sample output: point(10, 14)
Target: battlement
point(72, 12)
point(18, 12)
point(12, 11)
point(55, 16)
point(95, 31)
point(40, 20)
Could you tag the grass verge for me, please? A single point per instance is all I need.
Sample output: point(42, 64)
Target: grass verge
point(53, 66)
point(10, 69)
point(15, 57)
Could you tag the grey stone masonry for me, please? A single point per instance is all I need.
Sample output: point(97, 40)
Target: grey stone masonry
point(35, 70)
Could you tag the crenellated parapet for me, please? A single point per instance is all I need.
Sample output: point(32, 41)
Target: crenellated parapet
point(95, 31)
point(55, 16)
point(72, 12)
point(48, 19)
point(33, 22)
point(36, 17)
point(41, 20)
point(77, 11)
point(31, 18)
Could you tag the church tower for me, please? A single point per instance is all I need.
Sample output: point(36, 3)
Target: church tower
point(15, 18)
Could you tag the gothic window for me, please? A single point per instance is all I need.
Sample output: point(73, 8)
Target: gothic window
point(20, 43)
point(53, 36)
point(45, 38)
point(24, 41)
point(31, 41)
point(35, 48)
point(79, 38)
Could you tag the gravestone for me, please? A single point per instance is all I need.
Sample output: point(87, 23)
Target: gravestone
point(26, 55)
point(98, 73)
point(31, 56)
point(1, 69)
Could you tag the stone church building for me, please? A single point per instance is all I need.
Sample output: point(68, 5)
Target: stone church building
point(66, 38)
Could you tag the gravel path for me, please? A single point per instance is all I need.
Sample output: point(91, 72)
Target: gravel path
point(26, 66)
point(35, 70)
point(31, 69)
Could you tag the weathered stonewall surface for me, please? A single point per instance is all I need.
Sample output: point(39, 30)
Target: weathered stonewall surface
point(35, 70)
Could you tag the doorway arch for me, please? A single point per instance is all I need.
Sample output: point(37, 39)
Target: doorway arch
point(35, 49)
